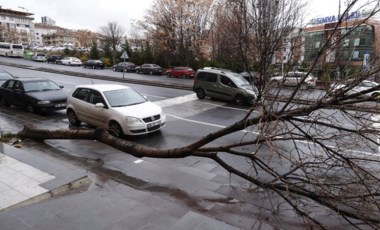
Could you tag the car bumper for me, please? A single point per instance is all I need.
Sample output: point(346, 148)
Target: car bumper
point(145, 128)
point(51, 107)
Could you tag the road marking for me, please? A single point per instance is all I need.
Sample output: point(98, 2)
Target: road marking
point(299, 141)
point(176, 100)
point(208, 124)
point(193, 97)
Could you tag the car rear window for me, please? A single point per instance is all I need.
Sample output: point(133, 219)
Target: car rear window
point(209, 77)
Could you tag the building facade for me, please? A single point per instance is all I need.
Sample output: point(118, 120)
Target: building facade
point(16, 26)
point(354, 42)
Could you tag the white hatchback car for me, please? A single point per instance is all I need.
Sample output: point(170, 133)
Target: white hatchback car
point(71, 61)
point(295, 78)
point(117, 108)
point(358, 88)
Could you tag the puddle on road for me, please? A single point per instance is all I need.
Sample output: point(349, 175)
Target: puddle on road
point(104, 177)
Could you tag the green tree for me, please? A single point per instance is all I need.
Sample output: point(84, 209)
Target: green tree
point(94, 51)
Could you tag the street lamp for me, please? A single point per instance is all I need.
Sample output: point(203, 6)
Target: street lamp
point(24, 9)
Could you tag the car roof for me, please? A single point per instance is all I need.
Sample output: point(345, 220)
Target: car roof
point(182, 67)
point(4, 71)
point(29, 79)
point(104, 87)
point(226, 72)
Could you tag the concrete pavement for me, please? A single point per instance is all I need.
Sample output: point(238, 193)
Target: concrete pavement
point(41, 192)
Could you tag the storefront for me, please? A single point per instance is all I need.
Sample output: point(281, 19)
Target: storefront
point(353, 42)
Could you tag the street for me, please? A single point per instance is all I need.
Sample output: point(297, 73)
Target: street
point(187, 120)
point(202, 181)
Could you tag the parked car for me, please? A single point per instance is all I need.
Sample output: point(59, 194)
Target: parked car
point(95, 64)
point(71, 61)
point(117, 108)
point(34, 94)
point(251, 76)
point(124, 66)
point(56, 59)
point(4, 75)
point(361, 86)
point(225, 85)
point(149, 69)
point(181, 72)
point(39, 57)
point(293, 79)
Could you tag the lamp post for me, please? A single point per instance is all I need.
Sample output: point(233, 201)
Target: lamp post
point(24, 9)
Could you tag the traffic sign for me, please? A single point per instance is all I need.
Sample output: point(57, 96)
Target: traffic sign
point(124, 55)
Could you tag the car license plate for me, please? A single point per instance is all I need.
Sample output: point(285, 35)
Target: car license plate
point(60, 105)
point(154, 124)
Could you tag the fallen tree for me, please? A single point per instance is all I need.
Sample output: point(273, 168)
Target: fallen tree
point(320, 156)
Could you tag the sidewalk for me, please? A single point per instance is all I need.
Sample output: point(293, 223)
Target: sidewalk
point(41, 192)
point(27, 179)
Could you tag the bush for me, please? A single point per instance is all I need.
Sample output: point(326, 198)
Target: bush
point(106, 61)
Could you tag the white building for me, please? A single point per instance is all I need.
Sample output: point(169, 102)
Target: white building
point(41, 30)
point(22, 22)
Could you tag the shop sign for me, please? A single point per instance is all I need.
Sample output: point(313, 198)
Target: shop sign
point(335, 18)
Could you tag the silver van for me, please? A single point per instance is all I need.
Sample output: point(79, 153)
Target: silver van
point(39, 57)
point(223, 84)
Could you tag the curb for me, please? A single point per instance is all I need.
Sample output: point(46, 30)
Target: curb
point(83, 181)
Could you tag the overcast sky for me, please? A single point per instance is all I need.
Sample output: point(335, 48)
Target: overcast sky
point(91, 14)
point(83, 14)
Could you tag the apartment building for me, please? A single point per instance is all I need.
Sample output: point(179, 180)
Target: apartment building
point(16, 26)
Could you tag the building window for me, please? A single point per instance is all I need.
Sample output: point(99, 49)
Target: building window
point(346, 42)
point(357, 41)
point(355, 55)
point(317, 44)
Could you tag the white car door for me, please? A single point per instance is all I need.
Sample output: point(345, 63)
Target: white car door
point(98, 116)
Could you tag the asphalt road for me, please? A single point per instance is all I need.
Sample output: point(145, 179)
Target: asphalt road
point(184, 109)
point(188, 118)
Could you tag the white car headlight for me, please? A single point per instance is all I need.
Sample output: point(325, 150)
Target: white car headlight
point(43, 102)
point(133, 121)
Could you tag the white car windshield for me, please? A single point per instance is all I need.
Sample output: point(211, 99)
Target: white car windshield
point(124, 97)
point(40, 86)
point(240, 80)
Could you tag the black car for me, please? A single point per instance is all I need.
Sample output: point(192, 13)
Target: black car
point(4, 75)
point(95, 64)
point(150, 69)
point(56, 59)
point(124, 66)
point(33, 94)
